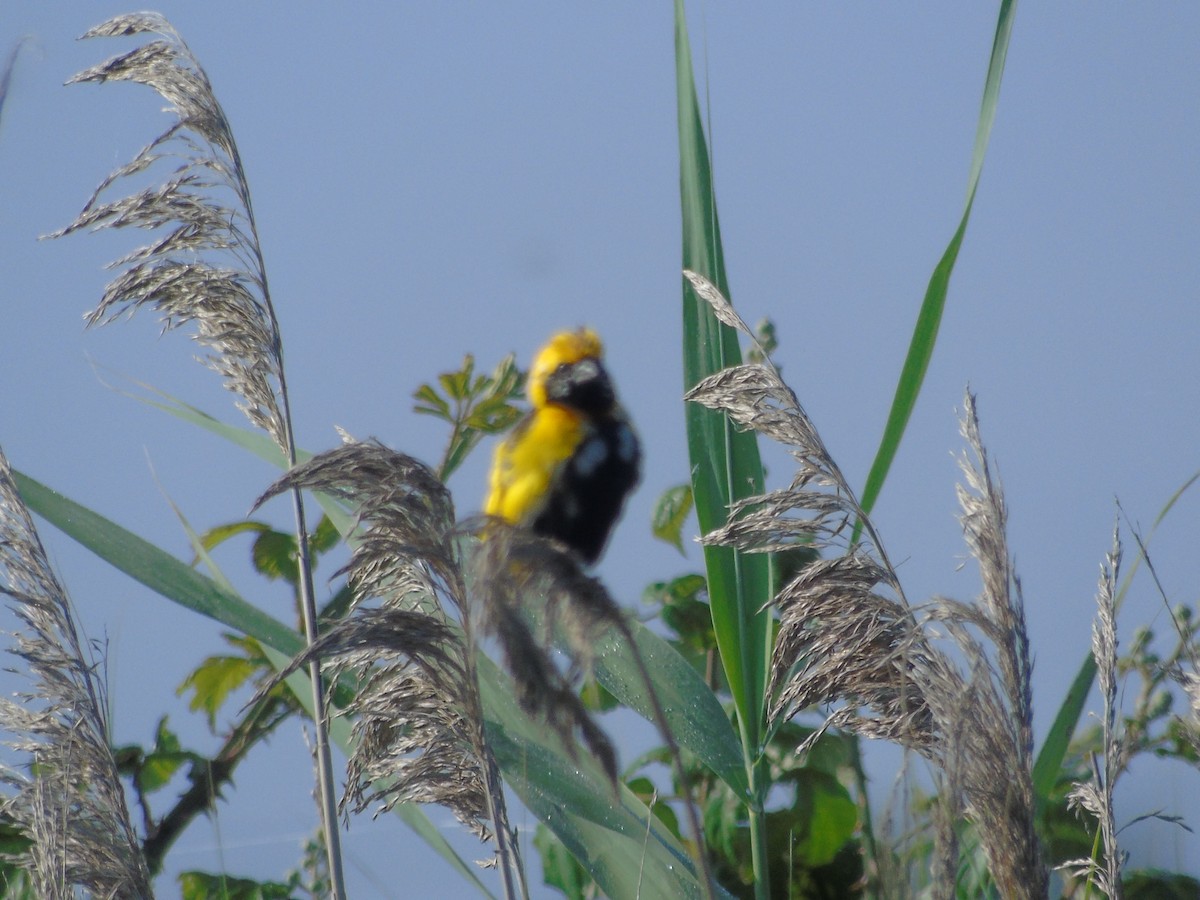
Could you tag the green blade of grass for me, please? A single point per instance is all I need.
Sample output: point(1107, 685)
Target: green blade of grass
point(920, 348)
point(725, 462)
point(155, 568)
point(256, 442)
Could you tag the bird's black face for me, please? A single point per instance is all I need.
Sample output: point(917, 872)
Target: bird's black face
point(582, 385)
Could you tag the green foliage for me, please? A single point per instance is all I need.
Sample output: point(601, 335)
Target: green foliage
point(670, 513)
point(202, 886)
point(473, 405)
point(15, 883)
point(929, 318)
point(559, 868)
point(777, 824)
point(217, 677)
point(1152, 884)
point(768, 342)
point(683, 607)
point(152, 769)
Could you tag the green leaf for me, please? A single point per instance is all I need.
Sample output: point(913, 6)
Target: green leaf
point(429, 403)
point(325, 537)
point(203, 886)
point(275, 556)
point(559, 868)
point(619, 843)
point(768, 341)
point(831, 817)
point(1153, 884)
point(219, 676)
point(693, 712)
point(458, 385)
point(683, 611)
point(153, 567)
point(161, 763)
point(670, 514)
point(646, 791)
point(725, 462)
point(920, 348)
point(493, 415)
point(214, 537)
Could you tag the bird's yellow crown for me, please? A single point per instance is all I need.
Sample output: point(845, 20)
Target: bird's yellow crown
point(566, 347)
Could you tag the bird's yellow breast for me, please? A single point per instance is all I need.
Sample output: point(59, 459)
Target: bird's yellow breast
point(527, 461)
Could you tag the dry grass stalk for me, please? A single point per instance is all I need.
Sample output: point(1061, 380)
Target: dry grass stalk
point(204, 268)
point(993, 741)
point(207, 268)
point(848, 635)
point(1096, 796)
point(420, 719)
point(419, 725)
point(72, 807)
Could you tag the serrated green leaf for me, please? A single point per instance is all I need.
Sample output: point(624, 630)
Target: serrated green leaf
point(493, 415)
point(274, 555)
point(670, 513)
point(457, 385)
point(214, 680)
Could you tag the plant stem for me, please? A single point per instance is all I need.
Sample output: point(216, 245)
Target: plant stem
point(757, 820)
point(208, 777)
point(329, 820)
point(308, 608)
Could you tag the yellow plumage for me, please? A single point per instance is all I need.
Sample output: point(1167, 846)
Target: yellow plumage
point(524, 466)
point(565, 469)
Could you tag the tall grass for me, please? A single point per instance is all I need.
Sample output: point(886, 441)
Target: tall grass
point(455, 661)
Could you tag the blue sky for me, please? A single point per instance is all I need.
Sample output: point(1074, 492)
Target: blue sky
point(437, 179)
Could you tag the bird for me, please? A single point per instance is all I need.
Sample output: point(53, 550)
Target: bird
point(566, 468)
